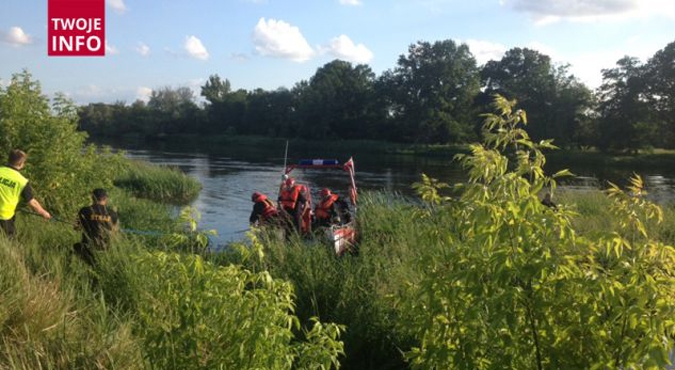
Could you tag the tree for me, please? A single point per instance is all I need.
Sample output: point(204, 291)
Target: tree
point(61, 169)
point(269, 112)
point(337, 102)
point(553, 98)
point(174, 110)
point(571, 109)
point(432, 90)
point(215, 89)
point(660, 89)
point(625, 118)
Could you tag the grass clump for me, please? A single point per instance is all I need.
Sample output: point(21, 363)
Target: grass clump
point(162, 184)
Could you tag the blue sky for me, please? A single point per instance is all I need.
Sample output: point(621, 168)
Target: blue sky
point(273, 43)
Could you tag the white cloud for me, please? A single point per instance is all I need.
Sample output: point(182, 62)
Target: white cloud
point(195, 48)
point(143, 49)
point(239, 57)
point(351, 2)
point(117, 5)
point(343, 48)
point(588, 66)
point(550, 11)
point(89, 93)
point(143, 93)
point(111, 49)
point(544, 49)
point(17, 37)
point(485, 51)
point(280, 39)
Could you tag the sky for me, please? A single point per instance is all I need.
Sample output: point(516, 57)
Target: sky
point(152, 44)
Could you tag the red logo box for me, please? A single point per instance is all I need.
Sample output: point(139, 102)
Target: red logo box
point(76, 28)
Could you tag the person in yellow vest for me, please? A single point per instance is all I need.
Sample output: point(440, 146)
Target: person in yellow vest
point(13, 188)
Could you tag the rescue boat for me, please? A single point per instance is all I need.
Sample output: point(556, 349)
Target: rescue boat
point(342, 236)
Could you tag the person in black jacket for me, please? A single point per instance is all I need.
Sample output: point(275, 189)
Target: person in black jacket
point(98, 223)
point(548, 202)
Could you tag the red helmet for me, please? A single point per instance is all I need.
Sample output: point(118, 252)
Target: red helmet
point(289, 182)
point(256, 196)
point(325, 192)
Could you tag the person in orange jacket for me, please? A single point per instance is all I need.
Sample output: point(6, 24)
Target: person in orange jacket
point(293, 201)
point(264, 210)
point(331, 210)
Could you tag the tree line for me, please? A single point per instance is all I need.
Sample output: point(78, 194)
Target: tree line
point(433, 95)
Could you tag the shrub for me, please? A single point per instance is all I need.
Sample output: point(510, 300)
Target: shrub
point(515, 286)
point(194, 315)
point(60, 167)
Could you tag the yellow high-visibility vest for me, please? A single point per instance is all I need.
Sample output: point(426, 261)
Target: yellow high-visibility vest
point(11, 185)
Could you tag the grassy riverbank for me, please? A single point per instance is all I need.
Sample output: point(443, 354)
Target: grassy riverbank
point(54, 317)
point(488, 279)
point(147, 304)
point(151, 302)
point(370, 293)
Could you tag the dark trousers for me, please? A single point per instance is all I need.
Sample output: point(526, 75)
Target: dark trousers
point(85, 253)
point(7, 227)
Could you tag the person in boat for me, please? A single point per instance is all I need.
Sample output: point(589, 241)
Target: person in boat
point(13, 188)
point(264, 211)
point(294, 202)
point(548, 202)
point(97, 223)
point(332, 210)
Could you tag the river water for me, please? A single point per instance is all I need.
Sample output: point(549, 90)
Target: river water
point(229, 177)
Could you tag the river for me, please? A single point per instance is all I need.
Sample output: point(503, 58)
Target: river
point(229, 177)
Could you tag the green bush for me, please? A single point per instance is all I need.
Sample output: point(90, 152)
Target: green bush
point(194, 315)
point(515, 286)
point(61, 169)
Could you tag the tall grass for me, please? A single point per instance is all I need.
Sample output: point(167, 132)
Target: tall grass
point(50, 317)
point(163, 184)
point(144, 306)
point(359, 291)
point(368, 292)
point(595, 216)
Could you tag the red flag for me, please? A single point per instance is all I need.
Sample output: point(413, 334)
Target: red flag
point(349, 166)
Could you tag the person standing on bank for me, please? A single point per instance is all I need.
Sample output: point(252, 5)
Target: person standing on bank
point(548, 202)
point(98, 223)
point(13, 188)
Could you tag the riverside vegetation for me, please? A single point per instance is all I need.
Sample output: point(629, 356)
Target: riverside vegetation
point(486, 279)
point(491, 278)
point(151, 303)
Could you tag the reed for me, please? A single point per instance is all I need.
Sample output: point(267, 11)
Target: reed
point(158, 183)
